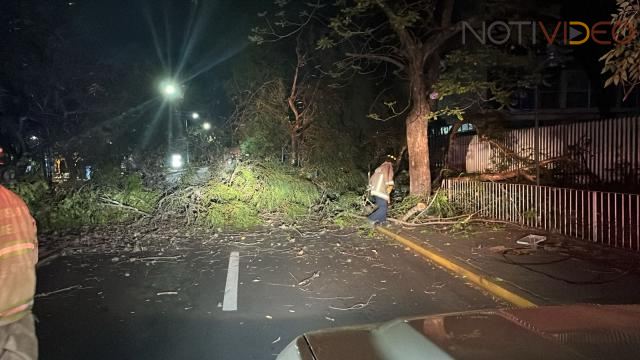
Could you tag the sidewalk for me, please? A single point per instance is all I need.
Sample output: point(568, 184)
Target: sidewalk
point(560, 271)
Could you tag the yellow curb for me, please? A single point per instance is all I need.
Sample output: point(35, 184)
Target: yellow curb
point(477, 279)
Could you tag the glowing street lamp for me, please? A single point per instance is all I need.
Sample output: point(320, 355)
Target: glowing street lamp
point(195, 116)
point(206, 126)
point(170, 89)
point(176, 161)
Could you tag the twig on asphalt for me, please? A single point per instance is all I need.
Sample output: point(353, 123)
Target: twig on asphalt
point(274, 284)
point(357, 306)
point(344, 235)
point(74, 287)
point(294, 278)
point(307, 281)
point(47, 259)
point(366, 257)
point(167, 293)
point(332, 298)
point(155, 258)
point(465, 219)
point(384, 267)
point(296, 230)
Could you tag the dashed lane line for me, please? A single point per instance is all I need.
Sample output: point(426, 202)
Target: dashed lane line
point(230, 302)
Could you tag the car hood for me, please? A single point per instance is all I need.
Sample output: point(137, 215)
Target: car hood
point(556, 332)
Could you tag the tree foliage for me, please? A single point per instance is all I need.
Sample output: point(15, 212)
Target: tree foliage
point(394, 40)
point(622, 62)
point(60, 88)
point(480, 79)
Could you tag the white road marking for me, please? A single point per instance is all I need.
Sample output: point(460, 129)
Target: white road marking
point(230, 302)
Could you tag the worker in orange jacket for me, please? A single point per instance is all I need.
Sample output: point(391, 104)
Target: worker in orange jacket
point(18, 258)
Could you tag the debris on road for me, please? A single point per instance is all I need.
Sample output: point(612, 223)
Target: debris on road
point(59, 291)
point(357, 306)
point(331, 298)
point(531, 240)
point(498, 249)
point(167, 293)
point(307, 281)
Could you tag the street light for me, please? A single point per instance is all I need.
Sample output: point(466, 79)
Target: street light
point(206, 126)
point(176, 161)
point(195, 116)
point(170, 89)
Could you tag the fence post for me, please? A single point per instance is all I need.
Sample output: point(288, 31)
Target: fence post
point(594, 216)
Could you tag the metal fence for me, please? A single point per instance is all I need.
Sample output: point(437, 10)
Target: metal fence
point(599, 152)
point(607, 218)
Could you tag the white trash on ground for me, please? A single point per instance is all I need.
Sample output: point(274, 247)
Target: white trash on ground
point(532, 240)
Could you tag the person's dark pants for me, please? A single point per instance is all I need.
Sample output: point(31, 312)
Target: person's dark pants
point(18, 340)
point(380, 214)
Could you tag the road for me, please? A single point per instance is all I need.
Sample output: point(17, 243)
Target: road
point(169, 302)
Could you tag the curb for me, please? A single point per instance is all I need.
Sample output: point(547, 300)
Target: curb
point(477, 279)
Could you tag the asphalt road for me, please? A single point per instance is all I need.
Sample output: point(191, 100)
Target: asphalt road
point(168, 304)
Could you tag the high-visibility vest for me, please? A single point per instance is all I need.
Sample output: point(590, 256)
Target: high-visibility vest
point(381, 178)
point(18, 257)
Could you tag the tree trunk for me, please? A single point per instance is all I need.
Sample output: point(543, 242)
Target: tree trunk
point(294, 147)
point(417, 134)
point(445, 161)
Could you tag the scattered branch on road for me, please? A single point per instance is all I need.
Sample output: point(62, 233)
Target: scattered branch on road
point(154, 259)
point(48, 258)
point(113, 203)
point(307, 281)
point(331, 298)
point(357, 306)
point(167, 293)
point(468, 219)
point(418, 208)
point(70, 288)
point(275, 284)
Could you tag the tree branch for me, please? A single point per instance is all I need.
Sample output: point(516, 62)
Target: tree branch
point(437, 40)
point(447, 11)
point(377, 57)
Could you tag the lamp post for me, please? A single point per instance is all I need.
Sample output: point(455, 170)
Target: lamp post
point(172, 91)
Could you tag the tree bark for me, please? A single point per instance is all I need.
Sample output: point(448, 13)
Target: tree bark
point(416, 128)
point(294, 147)
point(445, 161)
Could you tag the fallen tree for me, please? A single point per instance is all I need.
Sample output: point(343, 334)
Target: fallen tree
point(523, 172)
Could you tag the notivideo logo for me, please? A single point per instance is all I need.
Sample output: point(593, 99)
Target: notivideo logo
point(572, 33)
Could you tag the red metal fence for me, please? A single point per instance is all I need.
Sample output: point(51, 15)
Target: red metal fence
point(607, 218)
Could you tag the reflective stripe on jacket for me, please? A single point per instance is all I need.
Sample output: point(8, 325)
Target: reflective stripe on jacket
point(381, 178)
point(18, 257)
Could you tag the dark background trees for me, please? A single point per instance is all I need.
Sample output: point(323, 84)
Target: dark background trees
point(83, 76)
